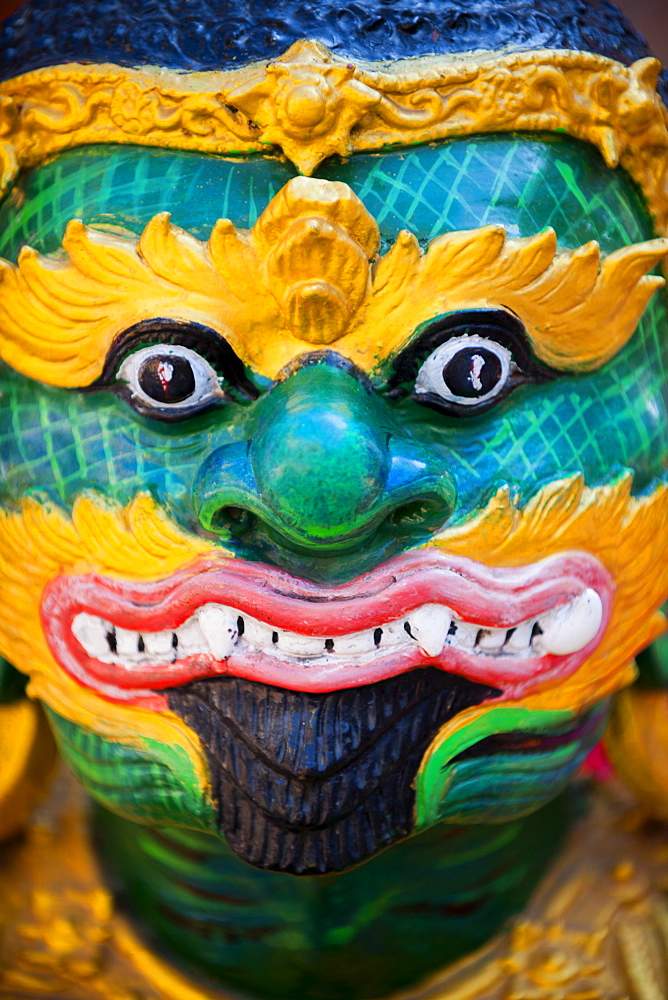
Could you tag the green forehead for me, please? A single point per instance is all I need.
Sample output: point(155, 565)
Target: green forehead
point(523, 182)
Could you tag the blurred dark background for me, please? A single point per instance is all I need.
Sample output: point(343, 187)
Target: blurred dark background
point(650, 16)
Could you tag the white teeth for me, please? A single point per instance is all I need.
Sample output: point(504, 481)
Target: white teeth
point(356, 644)
point(571, 627)
point(462, 635)
point(257, 634)
point(92, 634)
point(158, 644)
point(216, 630)
point(490, 639)
point(519, 639)
point(393, 634)
point(126, 643)
point(299, 645)
point(190, 638)
point(429, 626)
point(220, 629)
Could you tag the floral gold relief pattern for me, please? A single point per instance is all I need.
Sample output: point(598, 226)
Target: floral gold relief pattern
point(310, 104)
point(306, 103)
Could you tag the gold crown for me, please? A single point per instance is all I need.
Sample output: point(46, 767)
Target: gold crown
point(309, 104)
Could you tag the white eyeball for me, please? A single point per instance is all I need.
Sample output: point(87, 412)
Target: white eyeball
point(466, 370)
point(170, 377)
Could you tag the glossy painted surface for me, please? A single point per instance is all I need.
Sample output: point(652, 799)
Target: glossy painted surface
point(328, 475)
point(68, 443)
point(108, 32)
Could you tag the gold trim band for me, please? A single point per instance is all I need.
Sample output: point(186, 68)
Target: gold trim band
point(310, 104)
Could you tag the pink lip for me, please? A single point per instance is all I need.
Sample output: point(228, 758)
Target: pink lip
point(487, 596)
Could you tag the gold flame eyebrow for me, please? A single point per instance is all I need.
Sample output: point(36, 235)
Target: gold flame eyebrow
point(579, 308)
point(308, 273)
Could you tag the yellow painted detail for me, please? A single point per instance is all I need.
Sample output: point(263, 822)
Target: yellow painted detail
point(637, 742)
point(311, 251)
point(27, 755)
point(620, 530)
point(307, 273)
point(310, 103)
point(130, 725)
point(173, 984)
point(139, 543)
point(579, 311)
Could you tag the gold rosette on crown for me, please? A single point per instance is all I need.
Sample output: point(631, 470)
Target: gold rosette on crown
point(317, 239)
point(306, 103)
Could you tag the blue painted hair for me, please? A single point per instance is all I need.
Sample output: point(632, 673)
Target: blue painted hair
point(221, 34)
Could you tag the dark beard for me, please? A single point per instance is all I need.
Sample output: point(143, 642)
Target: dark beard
point(315, 783)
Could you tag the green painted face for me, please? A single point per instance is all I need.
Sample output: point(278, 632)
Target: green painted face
point(329, 484)
point(598, 424)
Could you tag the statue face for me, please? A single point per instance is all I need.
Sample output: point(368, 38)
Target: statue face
point(330, 506)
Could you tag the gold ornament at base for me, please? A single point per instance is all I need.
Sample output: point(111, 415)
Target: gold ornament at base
point(27, 755)
point(596, 929)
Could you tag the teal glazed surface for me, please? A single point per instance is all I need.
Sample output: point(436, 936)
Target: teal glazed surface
point(323, 423)
point(365, 933)
point(522, 182)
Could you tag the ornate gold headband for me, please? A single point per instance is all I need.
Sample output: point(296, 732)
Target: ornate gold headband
point(310, 104)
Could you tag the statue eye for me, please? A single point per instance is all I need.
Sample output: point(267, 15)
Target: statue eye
point(463, 363)
point(466, 371)
point(170, 376)
point(171, 369)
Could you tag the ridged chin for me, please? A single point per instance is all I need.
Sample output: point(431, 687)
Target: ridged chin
point(311, 783)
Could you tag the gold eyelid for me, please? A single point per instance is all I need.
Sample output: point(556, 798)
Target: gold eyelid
point(308, 274)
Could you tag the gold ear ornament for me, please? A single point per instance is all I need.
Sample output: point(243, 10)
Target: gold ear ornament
point(309, 104)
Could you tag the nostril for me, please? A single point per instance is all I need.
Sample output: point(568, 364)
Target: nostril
point(428, 512)
point(420, 493)
point(235, 520)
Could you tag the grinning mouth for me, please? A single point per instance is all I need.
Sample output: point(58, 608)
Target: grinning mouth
point(217, 631)
point(507, 627)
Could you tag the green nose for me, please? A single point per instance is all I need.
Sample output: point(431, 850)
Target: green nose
point(326, 467)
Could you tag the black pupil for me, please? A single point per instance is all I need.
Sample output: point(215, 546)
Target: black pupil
point(472, 372)
point(167, 378)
